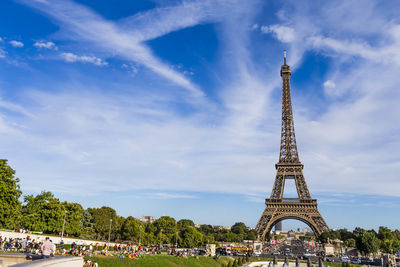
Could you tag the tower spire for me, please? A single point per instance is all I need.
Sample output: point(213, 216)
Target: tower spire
point(288, 149)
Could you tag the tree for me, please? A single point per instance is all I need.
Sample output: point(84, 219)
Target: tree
point(387, 246)
point(185, 223)
point(73, 220)
point(167, 224)
point(351, 242)
point(206, 229)
point(385, 233)
point(101, 221)
point(168, 227)
point(43, 213)
point(190, 237)
point(251, 235)
point(367, 242)
point(239, 228)
point(10, 206)
point(132, 229)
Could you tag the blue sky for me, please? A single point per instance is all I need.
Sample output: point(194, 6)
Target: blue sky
point(173, 107)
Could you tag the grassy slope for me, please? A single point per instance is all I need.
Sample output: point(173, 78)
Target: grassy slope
point(159, 260)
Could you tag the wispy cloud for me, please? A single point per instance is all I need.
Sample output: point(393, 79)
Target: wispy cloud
point(283, 33)
point(16, 43)
point(47, 45)
point(3, 53)
point(70, 57)
point(83, 24)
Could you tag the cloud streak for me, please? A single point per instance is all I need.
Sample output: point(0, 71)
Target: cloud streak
point(85, 25)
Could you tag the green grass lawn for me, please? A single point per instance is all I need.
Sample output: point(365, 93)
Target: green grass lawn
point(159, 260)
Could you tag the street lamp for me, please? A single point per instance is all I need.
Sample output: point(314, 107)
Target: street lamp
point(140, 234)
point(109, 234)
point(62, 233)
point(176, 239)
point(160, 240)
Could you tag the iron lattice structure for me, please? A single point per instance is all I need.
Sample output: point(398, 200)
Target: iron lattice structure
point(277, 208)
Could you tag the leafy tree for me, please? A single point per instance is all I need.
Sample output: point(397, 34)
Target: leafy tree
point(132, 229)
point(101, 221)
point(351, 242)
point(73, 218)
point(167, 225)
point(208, 239)
point(239, 228)
point(206, 229)
point(387, 246)
point(185, 223)
point(149, 238)
point(190, 237)
point(385, 233)
point(43, 213)
point(367, 242)
point(251, 235)
point(87, 219)
point(150, 228)
point(10, 206)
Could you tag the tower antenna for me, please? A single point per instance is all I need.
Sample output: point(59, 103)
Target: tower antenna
point(284, 57)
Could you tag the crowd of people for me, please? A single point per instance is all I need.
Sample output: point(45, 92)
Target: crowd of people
point(27, 245)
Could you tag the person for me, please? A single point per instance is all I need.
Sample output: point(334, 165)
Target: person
point(53, 249)
point(46, 248)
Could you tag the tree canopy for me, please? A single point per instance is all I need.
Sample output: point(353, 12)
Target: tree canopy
point(10, 192)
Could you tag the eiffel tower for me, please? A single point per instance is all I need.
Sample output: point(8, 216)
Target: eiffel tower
point(277, 208)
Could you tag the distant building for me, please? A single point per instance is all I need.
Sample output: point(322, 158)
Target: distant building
point(147, 219)
point(219, 227)
point(278, 226)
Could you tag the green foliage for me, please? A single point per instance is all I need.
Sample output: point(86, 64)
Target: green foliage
point(185, 223)
point(101, 221)
point(132, 229)
point(166, 228)
point(239, 228)
point(73, 218)
point(166, 224)
point(367, 242)
point(251, 235)
point(190, 237)
point(351, 242)
point(43, 213)
point(10, 206)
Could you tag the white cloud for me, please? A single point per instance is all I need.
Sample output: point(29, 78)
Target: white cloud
point(127, 40)
point(329, 84)
point(130, 68)
point(16, 43)
point(3, 53)
point(47, 45)
point(330, 89)
point(282, 33)
point(70, 57)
